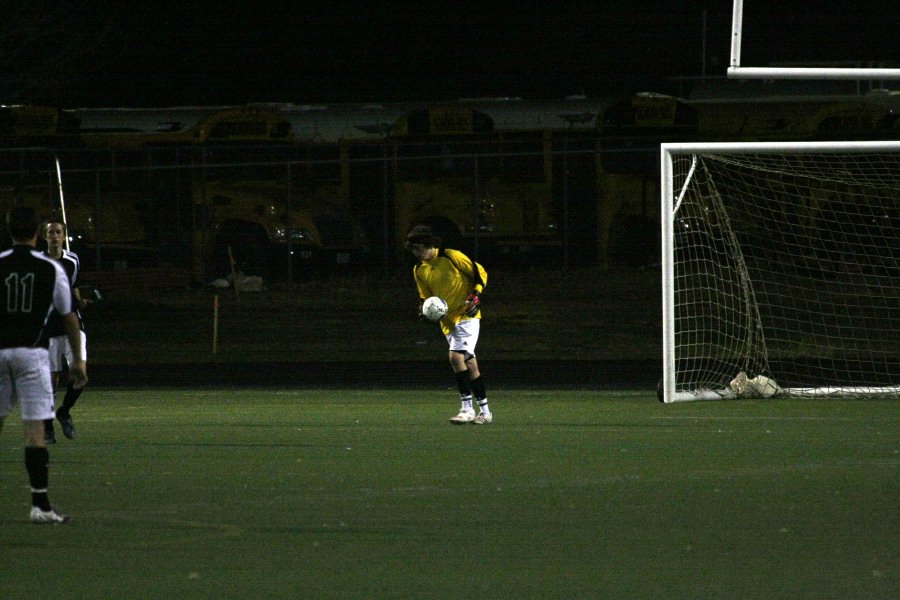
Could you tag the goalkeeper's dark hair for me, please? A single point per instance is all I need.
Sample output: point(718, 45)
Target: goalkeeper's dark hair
point(422, 234)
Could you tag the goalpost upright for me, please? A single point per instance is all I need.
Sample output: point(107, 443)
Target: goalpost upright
point(780, 269)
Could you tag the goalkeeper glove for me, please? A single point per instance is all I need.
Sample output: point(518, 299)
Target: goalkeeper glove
point(474, 303)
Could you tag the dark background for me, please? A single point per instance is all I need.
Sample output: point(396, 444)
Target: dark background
point(166, 53)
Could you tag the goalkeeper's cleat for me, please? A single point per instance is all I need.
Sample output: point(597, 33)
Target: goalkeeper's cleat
point(483, 419)
point(49, 436)
point(47, 516)
point(464, 416)
point(68, 426)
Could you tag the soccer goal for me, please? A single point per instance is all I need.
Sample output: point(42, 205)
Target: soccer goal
point(781, 269)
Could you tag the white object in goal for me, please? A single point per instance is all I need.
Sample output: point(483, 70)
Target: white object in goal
point(781, 269)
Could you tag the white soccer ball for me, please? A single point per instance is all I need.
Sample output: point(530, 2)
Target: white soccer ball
point(434, 308)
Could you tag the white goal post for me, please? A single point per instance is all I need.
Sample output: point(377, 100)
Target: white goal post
point(780, 269)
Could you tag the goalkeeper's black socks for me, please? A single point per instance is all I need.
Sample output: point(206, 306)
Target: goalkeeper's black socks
point(478, 388)
point(465, 389)
point(480, 395)
point(462, 382)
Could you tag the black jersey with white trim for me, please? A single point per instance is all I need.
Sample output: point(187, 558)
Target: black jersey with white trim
point(71, 264)
point(34, 285)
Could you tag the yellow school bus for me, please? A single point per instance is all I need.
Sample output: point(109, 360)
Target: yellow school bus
point(224, 180)
point(632, 129)
point(484, 173)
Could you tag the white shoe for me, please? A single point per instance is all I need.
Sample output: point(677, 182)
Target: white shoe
point(464, 416)
point(47, 516)
point(483, 419)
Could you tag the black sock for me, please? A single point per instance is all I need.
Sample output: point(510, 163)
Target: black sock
point(41, 500)
point(48, 425)
point(478, 388)
point(37, 463)
point(462, 382)
point(70, 399)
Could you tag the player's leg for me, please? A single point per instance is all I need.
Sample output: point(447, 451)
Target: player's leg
point(6, 389)
point(65, 418)
point(458, 364)
point(463, 340)
point(479, 393)
point(72, 393)
point(37, 464)
point(35, 392)
point(55, 353)
point(472, 330)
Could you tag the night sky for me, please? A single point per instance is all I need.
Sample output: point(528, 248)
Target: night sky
point(181, 53)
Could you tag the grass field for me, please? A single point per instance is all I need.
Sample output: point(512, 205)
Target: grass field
point(270, 493)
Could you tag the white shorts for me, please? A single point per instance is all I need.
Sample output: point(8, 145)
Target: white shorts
point(464, 336)
point(25, 379)
point(61, 349)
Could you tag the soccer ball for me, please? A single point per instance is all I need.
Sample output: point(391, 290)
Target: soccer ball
point(434, 308)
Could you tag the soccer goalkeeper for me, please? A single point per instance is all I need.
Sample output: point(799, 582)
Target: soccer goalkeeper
point(459, 280)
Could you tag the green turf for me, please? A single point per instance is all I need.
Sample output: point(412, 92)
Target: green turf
point(373, 494)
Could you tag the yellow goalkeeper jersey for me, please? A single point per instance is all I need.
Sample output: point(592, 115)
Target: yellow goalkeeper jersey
point(451, 275)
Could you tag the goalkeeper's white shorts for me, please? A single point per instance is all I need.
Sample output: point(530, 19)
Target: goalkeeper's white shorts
point(464, 336)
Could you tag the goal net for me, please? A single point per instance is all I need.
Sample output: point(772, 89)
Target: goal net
point(781, 270)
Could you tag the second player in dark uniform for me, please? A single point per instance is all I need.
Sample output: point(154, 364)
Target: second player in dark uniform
point(60, 351)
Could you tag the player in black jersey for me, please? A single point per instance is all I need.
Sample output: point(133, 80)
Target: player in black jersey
point(60, 351)
point(34, 286)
